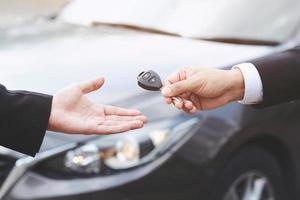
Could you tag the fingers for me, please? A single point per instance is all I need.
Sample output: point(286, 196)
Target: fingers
point(177, 88)
point(178, 102)
point(188, 105)
point(113, 110)
point(118, 120)
point(185, 105)
point(107, 129)
point(173, 78)
point(127, 118)
point(118, 127)
point(175, 84)
point(168, 100)
point(91, 85)
point(190, 111)
point(114, 122)
point(196, 101)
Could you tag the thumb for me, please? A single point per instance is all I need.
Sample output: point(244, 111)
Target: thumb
point(91, 85)
point(177, 88)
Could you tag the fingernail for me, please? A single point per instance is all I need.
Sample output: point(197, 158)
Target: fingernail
point(166, 91)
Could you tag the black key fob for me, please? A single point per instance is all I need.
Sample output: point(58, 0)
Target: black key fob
point(149, 80)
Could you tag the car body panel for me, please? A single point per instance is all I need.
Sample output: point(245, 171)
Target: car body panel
point(115, 54)
point(66, 55)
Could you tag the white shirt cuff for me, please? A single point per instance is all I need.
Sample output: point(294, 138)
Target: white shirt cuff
point(253, 84)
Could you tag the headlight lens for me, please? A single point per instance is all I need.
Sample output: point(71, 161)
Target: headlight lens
point(127, 154)
point(158, 137)
point(84, 159)
point(127, 150)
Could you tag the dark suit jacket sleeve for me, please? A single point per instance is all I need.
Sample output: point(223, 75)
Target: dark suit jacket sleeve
point(23, 119)
point(280, 75)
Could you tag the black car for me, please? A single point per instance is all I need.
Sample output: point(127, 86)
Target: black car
point(233, 153)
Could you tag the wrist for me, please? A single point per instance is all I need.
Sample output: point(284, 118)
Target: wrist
point(236, 85)
point(51, 122)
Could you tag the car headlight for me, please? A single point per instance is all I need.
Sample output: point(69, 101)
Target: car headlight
point(127, 153)
point(84, 159)
point(115, 152)
point(127, 150)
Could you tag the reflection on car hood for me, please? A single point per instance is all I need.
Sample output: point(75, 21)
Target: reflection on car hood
point(47, 63)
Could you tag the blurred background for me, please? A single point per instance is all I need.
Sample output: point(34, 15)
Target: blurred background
point(16, 12)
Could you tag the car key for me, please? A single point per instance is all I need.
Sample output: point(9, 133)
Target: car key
point(150, 80)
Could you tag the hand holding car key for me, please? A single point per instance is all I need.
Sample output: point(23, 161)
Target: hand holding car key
point(150, 80)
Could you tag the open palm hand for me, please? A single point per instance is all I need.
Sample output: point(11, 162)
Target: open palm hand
point(73, 112)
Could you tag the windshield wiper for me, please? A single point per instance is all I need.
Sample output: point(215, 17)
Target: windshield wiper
point(242, 41)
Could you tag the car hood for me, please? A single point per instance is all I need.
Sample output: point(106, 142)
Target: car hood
point(48, 62)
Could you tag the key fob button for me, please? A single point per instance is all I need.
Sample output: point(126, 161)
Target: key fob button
point(152, 79)
point(146, 75)
point(149, 80)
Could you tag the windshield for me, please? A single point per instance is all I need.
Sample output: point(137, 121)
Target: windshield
point(265, 20)
point(17, 12)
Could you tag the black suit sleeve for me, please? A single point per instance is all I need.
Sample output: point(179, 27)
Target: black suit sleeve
point(23, 119)
point(280, 75)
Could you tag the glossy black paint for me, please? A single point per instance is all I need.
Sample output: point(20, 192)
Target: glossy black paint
point(193, 170)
